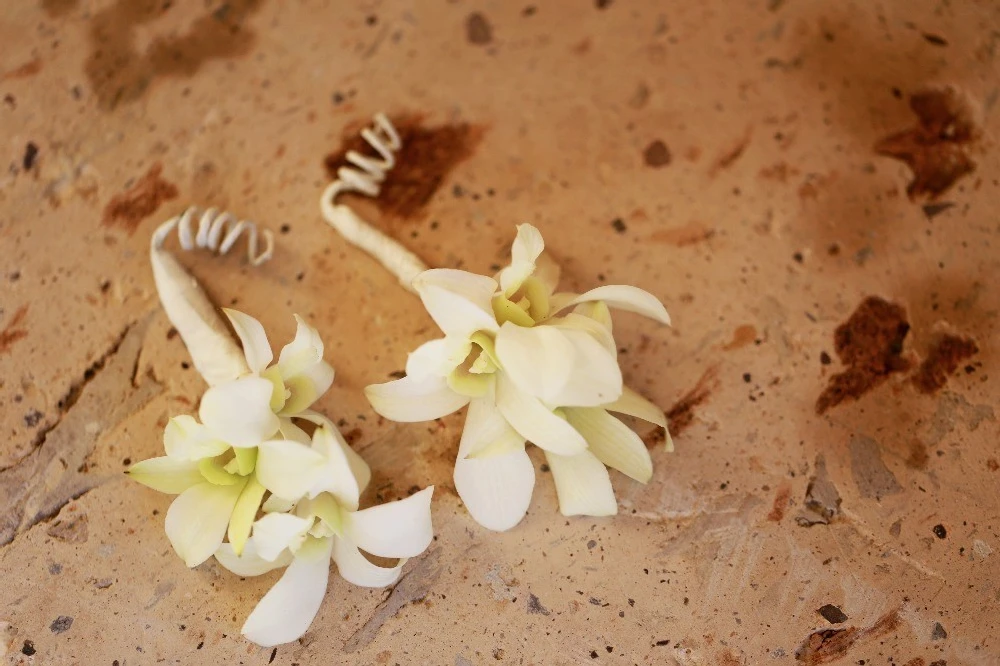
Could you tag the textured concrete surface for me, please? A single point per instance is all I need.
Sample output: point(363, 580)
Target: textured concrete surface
point(810, 187)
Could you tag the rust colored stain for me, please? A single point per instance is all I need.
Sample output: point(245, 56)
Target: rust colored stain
point(428, 155)
point(119, 73)
point(779, 172)
point(780, 505)
point(870, 344)
point(935, 150)
point(478, 29)
point(25, 71)
point(12, 333)
point(992, 464)
point(691, 233)
point(947, 353)
point(918, 457)
point(828, 645)
point(742, 336)
point(916, 661)
point(656, 154)
point(57, 8)
point(681, 414)
point(140, 201)
point(728, 157)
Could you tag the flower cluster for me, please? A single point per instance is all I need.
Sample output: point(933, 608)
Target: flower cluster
point(533, 365)
point(259, 492)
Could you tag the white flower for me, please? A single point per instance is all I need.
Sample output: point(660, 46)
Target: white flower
point(306, 536)
point(222, 467)
point(530, 369)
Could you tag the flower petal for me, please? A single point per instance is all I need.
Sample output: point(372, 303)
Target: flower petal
point(457, 301)
point(249, 563)
point(486, 431)
point(582, 485)
point(633, 404)
point(276, 532)
point(307, 387)
point(612, 442)
point(256, 348)
point(538, 360)
point(621, 296)
point(435, 358)
point(289, 430)
point(287, 610)
point(408, 399)
point(244, 514)
point(536, 422)
point(304, 351)
point(528, 245)
point(355, 568)
point(166, 474)
point(288, 469)
point(496, 490)
point(397, 529)
point(196, 521)
point(595, 379)
point(186, 439)
point(337, 477)
point(359, 468)
point(239, 412)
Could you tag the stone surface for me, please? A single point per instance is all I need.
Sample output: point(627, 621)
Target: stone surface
point(765, 221)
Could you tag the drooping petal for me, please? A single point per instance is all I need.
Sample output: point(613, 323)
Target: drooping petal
point(528, 245)
point(486, 431)
point(359, 468)
point(276, 532)
point(538, 360)
point(166, 474)
point(244, 513)
point(186, 439)
point(536, 422)
point(397, 529)
point(596, 377)
point(307, 387)
point(249, 563)
point(582, 485)
point(256, 348)
point(621, 296)
point(196, 521)
point(239, 412)
point(287, 610)
point(408, 400)
point(288, 469)
point(356, 569)
point(457, 301)
point(337, 477)
point(304, 351)
point(633, 404)
point(496, 490)
point(436, 358)
point(612, 442)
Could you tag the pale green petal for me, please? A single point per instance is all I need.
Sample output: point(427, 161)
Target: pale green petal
point(249, 563)
point(196, 521)
point(307, 387)
point(289, 430)
point(633, 404)
point(612, 442)
point(186, 439)
point(536, 422)
point(166, 474)
point(216, 474)
point(408, 400)
point(251, 334)
point(245, 459)
point(356, 569)
point(582, 485)
point(244, 514)
point(239, 412)
point(507, 311)
point(397, 529)
point(287, 610)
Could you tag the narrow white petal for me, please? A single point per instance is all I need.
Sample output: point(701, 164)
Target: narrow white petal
point(249, 563)
point(289, 430)
point(337, 477)
point(612, 442)
point(307, 387)
point(239, 412)
point(287, 610)
point(186, 439)
point(166, 474)
point(397, 529)
point(408, 400)
point(256, 348)
point(356, 569)
point(288, 469)
point(621, 296)
point(437, 358)
point(305, 350)
point(582, 485)
point(275, 504)
point(459, 302)
point(496, 490)
point(595, 378)
point(633, 404)
point(528, 246)
point(359, 468)
point(197, 520)
point(597, 328)
point(277, 532)
point(538, 360)
point(536, 422)
point(486, 431)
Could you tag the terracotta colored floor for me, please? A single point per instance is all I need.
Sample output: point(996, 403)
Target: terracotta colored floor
point(833, 497)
